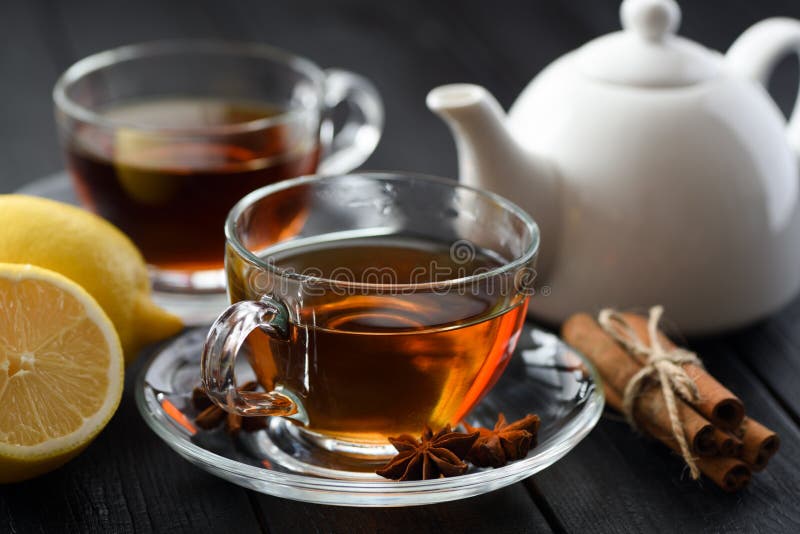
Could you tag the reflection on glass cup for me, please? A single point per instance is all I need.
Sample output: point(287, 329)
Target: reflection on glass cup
point(395, 303)
point(163, 138)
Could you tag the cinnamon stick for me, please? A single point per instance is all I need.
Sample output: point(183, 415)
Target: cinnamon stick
point(703, 443)
point(748, 439)
point(617, 368)
point(717, 403)
point(727, 444)
point(730, 474)
point(759, 444)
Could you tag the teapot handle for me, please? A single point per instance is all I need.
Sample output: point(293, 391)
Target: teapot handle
point(758, 50)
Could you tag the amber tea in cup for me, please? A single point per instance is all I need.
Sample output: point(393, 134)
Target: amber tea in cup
point(163, 138)
point(396, 305)
point(171, 196)
point(387, 364)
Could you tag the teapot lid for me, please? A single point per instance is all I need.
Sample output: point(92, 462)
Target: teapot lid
point(647, 53)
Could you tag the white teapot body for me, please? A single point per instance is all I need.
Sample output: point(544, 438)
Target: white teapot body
point(683, 194)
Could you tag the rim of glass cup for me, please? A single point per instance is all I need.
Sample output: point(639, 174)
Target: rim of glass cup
point(263, 192)
point(113, 56)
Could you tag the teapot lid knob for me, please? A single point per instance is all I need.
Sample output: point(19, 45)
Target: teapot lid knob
point(651, 19)
point(647, 52)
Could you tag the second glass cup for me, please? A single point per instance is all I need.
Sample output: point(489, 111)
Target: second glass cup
point(163, 138)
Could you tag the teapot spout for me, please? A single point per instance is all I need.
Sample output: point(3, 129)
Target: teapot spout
point(490, 158)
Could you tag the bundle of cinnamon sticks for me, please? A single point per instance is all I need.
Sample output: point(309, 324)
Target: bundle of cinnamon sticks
point(727, 445)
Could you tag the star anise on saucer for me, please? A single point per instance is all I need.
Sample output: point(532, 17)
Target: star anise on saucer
point(505, 443)
point(432, 456)
point(211, 415)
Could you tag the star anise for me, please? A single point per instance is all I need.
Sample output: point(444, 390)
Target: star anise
point(505, 443)
point(211, 415)
point(430, 457)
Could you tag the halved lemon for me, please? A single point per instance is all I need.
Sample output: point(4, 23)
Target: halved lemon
point(61, 370)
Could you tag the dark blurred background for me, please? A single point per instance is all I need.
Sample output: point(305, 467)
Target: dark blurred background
point(406, 48)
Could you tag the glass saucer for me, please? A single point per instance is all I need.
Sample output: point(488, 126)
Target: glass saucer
point(194, 309)
point(545, 377)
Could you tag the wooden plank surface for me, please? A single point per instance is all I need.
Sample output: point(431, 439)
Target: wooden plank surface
point(771, 349)
point(507, 510)
point(613, 482)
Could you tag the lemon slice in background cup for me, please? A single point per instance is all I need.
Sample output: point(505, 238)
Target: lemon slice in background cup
point(61, 370)
point(148, 186)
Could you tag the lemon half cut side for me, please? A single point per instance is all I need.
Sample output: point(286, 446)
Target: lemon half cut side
point(61, 370)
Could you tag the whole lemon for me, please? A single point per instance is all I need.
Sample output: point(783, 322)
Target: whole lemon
point(92, 252)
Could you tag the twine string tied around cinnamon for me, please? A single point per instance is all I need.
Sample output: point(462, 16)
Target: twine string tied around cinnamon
point(659, 366)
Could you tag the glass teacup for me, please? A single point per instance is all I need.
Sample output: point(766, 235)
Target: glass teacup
point(369, 305)
point(163, 138)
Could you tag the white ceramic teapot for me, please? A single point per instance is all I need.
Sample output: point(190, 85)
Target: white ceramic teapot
point(659, 171)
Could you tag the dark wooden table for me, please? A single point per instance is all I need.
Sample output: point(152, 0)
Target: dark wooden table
point(129, 481)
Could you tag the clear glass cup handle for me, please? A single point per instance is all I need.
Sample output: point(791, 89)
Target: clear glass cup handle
point(358, 135)
point(222, 345)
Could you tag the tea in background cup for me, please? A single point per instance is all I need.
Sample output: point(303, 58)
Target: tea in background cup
point(163, 138)
point(396, 304)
